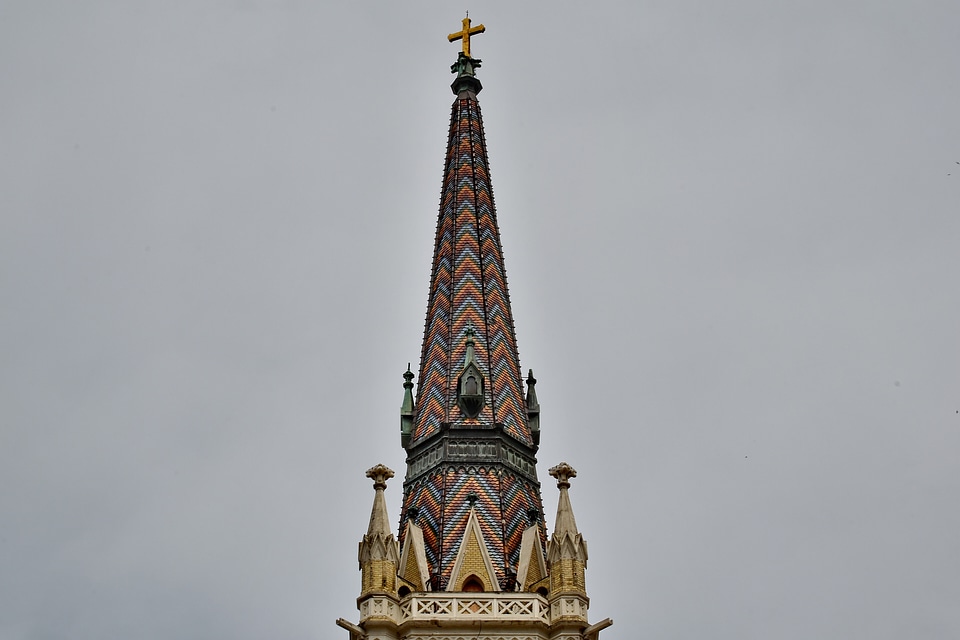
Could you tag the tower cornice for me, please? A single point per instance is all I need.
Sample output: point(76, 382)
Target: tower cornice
point(488, 446)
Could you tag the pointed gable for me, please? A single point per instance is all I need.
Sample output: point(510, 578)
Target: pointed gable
point(533, 566)
point(473, 560)
point(413, 560)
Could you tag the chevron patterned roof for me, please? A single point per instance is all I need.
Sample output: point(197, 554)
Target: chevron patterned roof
point(484, 452)
point(468, 289)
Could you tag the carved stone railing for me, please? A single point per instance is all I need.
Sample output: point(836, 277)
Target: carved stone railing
point(521, 607)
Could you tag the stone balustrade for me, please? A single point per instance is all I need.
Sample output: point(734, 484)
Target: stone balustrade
point(456, 607)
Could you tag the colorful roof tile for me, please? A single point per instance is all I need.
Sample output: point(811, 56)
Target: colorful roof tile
point(468, 435)
point(468, 290)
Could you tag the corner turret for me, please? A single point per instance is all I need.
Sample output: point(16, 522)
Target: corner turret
point(567, 559)
point(379, 553)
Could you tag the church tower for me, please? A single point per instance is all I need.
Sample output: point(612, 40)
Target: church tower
point(472, 558)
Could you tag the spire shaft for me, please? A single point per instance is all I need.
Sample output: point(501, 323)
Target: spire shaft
point(471, 429)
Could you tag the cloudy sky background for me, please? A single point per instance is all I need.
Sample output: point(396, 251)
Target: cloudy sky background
point(733, 243)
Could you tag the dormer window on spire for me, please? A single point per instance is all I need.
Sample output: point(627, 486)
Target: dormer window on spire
point(470, 384)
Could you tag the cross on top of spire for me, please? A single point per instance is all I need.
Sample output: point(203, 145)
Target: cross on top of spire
point(465, 33)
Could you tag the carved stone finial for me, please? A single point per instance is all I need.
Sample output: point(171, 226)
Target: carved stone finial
point(563, 472)
point(470, 343)
point(472, 499)
point(533, 516)
point(533, 408)
point(412, 514)
point(380, 474)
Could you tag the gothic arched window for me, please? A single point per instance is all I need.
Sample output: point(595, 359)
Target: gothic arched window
point(470, 387)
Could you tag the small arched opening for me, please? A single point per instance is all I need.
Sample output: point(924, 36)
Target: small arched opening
point(470, 387)
point(473, 584)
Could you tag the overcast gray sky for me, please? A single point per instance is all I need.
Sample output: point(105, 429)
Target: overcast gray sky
point(732, 237)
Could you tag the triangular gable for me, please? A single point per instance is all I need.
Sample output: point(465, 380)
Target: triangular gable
point(533, 567)
point(413, 560)
point(473, 559)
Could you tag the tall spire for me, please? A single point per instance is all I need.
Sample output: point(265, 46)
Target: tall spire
point(468, 292)
point(470, 431)
point(472, 530)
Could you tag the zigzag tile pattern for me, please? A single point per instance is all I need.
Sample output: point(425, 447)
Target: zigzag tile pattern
point(427, 495)
point(518, 498)
point(468, 289)
point(485, 485)
point(503, 501)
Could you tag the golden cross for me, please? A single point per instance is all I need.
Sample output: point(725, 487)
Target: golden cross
point(465, 35)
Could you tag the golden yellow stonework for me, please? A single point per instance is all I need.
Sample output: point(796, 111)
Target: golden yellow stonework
point(473, 564)
point(379, 576)
point(465, 34)
point(411, 572)
point(567, 575)
point(533, 573)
